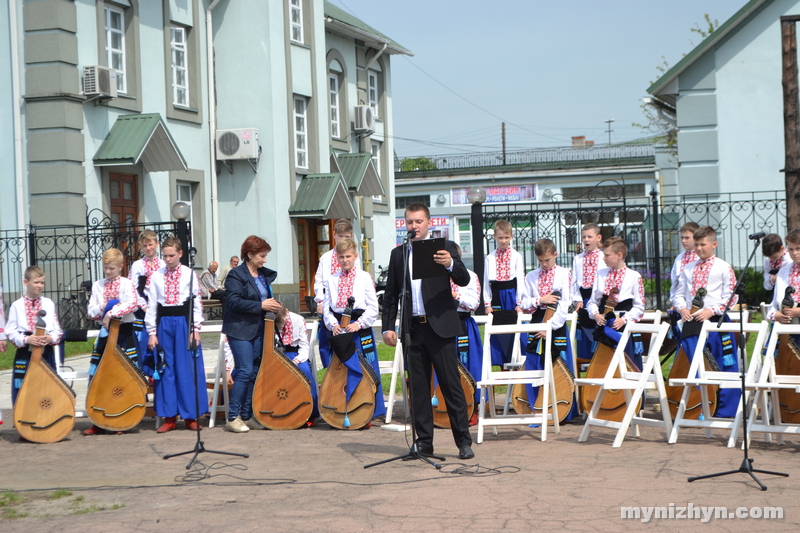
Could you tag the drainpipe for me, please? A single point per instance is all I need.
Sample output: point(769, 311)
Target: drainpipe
point(212, 132)
point(376, 56)
point(16, 99)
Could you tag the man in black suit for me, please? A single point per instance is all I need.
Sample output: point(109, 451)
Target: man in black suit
point(434, 327)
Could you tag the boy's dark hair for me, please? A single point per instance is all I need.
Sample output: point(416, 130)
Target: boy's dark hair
point(343, 225)
point(689, 226)
point(173, 242)
point(705, 232)
point(544, 246)
point(617, 245)
point(418, 206)
point(771, 244)
point(591, 226)
point(793, 236)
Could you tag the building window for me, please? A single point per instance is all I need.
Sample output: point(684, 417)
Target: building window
point(372, 91)
point(333, 83)
point(180, 69)
point(300, 134)
point(115, 45)
point(296, 20)
point(401, 202)
point(376, 162)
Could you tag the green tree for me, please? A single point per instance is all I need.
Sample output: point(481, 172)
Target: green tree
point(411, 164)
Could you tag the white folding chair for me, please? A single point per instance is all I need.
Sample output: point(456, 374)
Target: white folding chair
point(633, 384)
point(699, 377)
point(767, 386)
point(537, 378)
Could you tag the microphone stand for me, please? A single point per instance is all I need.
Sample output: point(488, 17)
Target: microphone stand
point(405, 335)
point(199, 445)
point(747, 463)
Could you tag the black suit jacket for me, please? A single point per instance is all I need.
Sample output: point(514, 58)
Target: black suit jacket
point(243, 314)
point(440, 307)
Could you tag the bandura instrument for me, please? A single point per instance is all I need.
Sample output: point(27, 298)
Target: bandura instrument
point(614, 405)
point(562, 377)
point(440, 417)
point(787, 363)
point(117, 394)
point(45, 407)
point(281, 393)
point(334, 407)
point(680, 370)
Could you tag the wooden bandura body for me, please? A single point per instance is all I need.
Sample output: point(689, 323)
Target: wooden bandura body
point(333, 405)
point(440, 417)
point(787, 363)
point(117, 395)
point(614, 406)
point(562, 377)
point(680, 370)
point(45, 407)
point(282, 396)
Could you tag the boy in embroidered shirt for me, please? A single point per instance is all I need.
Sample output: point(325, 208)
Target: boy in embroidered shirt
point(292, 334)
point(139, 274)
point(21, 325)
point(503, 277)
point(630, 298)
point(788, 276)
point(352, 281)
point(775, 256)
point(327, 267)
point(688, 255)
point(539, 291)
point(584, 271)
point(170, 294)
point(719, 280)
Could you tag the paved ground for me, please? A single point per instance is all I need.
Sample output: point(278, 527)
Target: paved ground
point(314, 480)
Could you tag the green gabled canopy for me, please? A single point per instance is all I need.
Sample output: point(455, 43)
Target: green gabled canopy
point(348, 24)
point(144, 138)
point(322, 196)
point(359, 173)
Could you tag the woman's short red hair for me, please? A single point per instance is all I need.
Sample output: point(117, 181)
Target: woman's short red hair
point(254, 245)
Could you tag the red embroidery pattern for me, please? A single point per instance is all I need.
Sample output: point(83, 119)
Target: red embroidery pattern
point(503, 264)
point(546, 278)
point(776, 265)
point(287, 331)
point(346, 281)
point(700, 274)
point(172, 289)
point(32, 308)
point(335, 266)
point(453, 286)
point(110, 290)
point(590, 268)
point(688, 257)
point(794, 281)
point(614, 279)
point(150, 266)
point(641, 289)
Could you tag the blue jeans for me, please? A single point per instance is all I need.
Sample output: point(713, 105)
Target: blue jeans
point(245, 354)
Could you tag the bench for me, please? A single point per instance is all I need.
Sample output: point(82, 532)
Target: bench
point(212, 309)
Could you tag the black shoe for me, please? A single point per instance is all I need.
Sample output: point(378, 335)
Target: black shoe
point(465, 452)
point(421, 448)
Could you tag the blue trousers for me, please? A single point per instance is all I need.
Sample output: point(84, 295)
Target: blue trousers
point(246, 356)
point(175, 392)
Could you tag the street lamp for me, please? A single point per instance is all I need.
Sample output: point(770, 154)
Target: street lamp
point(476, 196)
point(180, 211)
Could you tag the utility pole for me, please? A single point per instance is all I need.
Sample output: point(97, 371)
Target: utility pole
point(791, 120)
point(609, 121)
point(504, 142)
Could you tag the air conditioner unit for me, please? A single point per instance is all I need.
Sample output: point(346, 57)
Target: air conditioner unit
point(365, 118)
point(99, 81)
point(237, 144)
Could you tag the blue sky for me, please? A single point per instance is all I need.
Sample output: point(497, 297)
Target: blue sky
point(549, 69)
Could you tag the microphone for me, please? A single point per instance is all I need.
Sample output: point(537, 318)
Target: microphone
point(757, 236)
point(192, 251)
point(411, 234)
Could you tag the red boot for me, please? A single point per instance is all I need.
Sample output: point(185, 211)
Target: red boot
point(168, 425)
point(192, 425)
point(94, 430)
point(473, 421)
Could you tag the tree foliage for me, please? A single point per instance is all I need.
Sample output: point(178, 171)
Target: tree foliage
point(411, 164)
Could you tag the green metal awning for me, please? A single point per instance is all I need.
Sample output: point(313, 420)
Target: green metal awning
point(144, 138)
point(359, 173)
point(322, 196)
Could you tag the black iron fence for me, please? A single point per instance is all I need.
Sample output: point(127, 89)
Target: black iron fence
point(651, 227)
point(71, 258)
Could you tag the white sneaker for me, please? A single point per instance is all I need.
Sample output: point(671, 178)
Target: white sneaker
point(236, 426)
point(252, 423)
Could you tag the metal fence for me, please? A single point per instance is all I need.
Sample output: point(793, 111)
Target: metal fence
point(71, 258)
point(650, 227)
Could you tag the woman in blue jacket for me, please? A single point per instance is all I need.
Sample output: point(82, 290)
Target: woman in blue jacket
point(249, 293)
